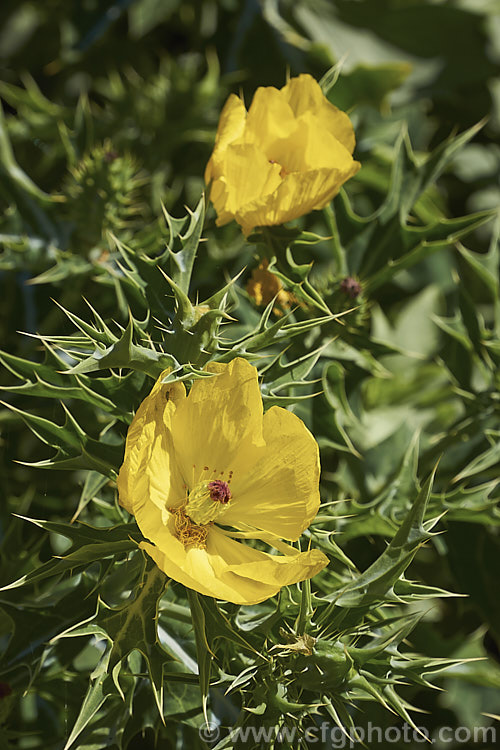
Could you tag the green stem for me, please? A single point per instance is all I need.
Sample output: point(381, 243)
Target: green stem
point(271, 247)
point(306, 610)
point(338, 252)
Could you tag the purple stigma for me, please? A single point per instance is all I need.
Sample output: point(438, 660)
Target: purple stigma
point(219, 491)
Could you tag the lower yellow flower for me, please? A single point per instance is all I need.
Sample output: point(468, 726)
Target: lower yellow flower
point(206, 471)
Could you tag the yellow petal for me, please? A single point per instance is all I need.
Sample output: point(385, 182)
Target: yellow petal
point(276, 487)
point(248, 175)
point(304, 94)
point(219, 197)
point(173, 571)
point(221, 418)
point(150, 471)
point(270, 118)
point(233, 571)
point(231, 126)
point(298, 193)
point(204, 579)
point(310, 147)
point(323, 148)
point(262, 567)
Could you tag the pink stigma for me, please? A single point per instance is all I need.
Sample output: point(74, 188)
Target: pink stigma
point(219, 491)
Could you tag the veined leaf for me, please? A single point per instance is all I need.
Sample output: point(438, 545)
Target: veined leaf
point(378, 580)
point(94, 699)
point(134, 627)
point(123, 353)
point(202, 648)
point(182, 259)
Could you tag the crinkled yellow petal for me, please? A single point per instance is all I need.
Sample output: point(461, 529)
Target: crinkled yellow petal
point(150, 473)
point(310, 147)
point(233, 571)
point(221, 418)
point(274, 570)
point(231, 126)
point(275, 487)
point(270, 118)
point(205, 580)
point(219, 197)
point(173, 571)
point(304, 94)
point(298, 193)
point(248, 175)
point(323, 148)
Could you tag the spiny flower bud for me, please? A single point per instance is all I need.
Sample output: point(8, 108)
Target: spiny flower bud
point(351, 287)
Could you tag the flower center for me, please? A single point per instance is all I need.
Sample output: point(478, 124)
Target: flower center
point(283, 171)
point(187, 532)
point(219, 491)
point(207, 501)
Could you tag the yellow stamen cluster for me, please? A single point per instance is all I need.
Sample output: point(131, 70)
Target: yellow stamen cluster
point(187, 532)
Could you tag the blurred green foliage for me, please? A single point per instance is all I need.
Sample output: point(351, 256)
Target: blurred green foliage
point(109, 115)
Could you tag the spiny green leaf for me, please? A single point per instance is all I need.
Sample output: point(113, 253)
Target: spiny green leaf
point(485, 460)
point(100, 334)
point(65, 266)
point(114, 394)
point(64, 437)
point(396, 496)
point(94, 699)
point(69, 439)
point(433, 166)
point(94, 482)
point(333, 382)
point(441, 234)
point(182, 260)
point(134, 627)
point(265, 335)
point(476, 504)
point(218, 626)
point(79, 391)
point(303, 291)
point(125, 354)
point(280, 375)
point(89, 545)
point(12, 168)
point(485, 265)
point(203, 651)
point(378, 580)
point(84, 533)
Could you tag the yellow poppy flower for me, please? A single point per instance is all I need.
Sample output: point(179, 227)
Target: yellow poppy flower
point(204, 471)
point(288, 155)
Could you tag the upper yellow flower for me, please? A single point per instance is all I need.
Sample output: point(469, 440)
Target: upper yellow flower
point(288, 155)
point(204, 471)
